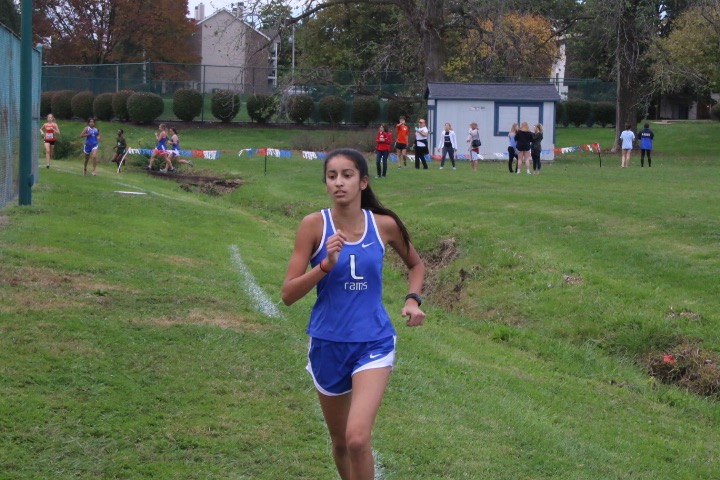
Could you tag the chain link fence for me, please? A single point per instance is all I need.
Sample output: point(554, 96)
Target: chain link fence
point(166, 78)
point(10, 115)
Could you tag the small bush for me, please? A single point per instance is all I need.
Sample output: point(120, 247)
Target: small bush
point(578, 111)
point(82, 104)
point(46, 104)
point(145, 107)
point(187, 104)
point(561, 114)
point(119, 104)
point(102, 106)
point(398, 107)
point(261, 108)
point(65, 148)
point(61, 104)
point(715, 112)
point(299, 108)
point(604, 113)
point(365, 110)
point(332, 109)
point(225, 105)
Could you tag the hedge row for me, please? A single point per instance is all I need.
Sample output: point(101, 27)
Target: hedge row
point(582, 112)
point(187, 104)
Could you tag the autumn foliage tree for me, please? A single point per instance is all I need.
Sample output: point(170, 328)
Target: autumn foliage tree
point(106, 31)
point(515, 45)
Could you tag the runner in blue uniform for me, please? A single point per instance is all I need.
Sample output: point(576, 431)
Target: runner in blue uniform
point(174, 153)
point(92, 139)
point(160, 147)
point(352, 339)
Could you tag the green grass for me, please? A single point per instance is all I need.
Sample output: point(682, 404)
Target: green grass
point(131, 348)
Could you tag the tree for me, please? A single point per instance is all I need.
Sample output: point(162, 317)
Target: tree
point(499, 48)
point(434, 28)
point(617, 46)
point(104, 31)
point(9, 16)
point(351, 37)
point(688, 57)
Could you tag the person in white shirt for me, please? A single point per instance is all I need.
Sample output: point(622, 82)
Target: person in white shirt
point(449, 145)
point(627, 137)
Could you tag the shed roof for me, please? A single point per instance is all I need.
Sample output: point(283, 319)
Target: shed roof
point(544, 92)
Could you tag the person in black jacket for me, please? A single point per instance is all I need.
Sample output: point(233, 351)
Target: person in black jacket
point(523, 139)
point(536, 148)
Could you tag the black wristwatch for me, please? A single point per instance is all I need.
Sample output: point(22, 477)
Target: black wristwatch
point(415, 297)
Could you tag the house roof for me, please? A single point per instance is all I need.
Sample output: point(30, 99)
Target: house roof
point(544, 92)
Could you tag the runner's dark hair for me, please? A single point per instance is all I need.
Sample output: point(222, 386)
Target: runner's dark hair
point(368, 200)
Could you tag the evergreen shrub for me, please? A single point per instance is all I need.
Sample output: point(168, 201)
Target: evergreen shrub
point(332, 109)
point(225, 105)
point(578, 111)
point(299, 108)
point(61, 104)
point(398, 107)
point(144, 107)
point(604, 113)
point(119, 104)
point(46, 103)
point(102, 106)
point(187, 104)
point(715, 112)
point(366, 110)
point(261, 108)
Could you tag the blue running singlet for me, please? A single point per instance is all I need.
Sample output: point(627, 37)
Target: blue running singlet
point(349, 299)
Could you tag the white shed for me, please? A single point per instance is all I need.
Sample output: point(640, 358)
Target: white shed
point(494, 107)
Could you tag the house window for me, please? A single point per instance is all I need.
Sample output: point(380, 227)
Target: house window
point(507, 113)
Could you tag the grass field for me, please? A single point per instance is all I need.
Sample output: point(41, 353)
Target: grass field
point(142, 335)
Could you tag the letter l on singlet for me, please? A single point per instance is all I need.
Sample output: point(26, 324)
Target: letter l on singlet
point(352, 269)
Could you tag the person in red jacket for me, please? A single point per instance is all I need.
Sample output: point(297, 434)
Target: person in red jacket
point(382, 151)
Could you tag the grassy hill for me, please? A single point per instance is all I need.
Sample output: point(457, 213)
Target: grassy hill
point(141, 335)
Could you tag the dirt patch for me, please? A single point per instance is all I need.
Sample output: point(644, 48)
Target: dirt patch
point(573, 279)
point(684, 313)
point(206, 184)
point(438, 289)
point(207, 317)
point(4, 221)
point(41, 289)
point(688, 366)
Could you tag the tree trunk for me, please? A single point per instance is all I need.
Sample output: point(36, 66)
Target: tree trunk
point(433, 48)
point(627, 58)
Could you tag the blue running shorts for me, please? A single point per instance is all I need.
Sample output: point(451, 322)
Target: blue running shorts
point(332, 364)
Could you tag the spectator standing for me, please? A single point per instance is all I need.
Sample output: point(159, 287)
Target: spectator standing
point(449, 142)
point(512, 147)
point(421, 144)
point(536, 148)
point(627, 137)
point(382, 150)
point(523, 139)
point(402, 141)
point(646, 144)
point(474, 148)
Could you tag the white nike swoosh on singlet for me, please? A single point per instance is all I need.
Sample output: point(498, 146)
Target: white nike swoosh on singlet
point(364, 245)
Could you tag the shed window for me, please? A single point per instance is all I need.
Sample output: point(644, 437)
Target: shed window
point(507, 113)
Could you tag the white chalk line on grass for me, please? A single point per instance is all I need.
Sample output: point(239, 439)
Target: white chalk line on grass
point(261, 300)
